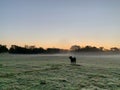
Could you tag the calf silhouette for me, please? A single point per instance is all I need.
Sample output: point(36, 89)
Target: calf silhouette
point(72, 59)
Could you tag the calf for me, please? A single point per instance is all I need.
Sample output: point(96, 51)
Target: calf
point(72, 59)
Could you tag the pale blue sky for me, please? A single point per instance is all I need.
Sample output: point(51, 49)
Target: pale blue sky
point(60, 23)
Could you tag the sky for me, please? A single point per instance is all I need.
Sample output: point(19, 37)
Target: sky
point(60, 23)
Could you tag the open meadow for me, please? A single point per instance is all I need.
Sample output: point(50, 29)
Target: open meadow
point(54, 72)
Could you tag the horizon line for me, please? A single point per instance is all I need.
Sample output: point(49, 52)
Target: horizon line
point(37, 46)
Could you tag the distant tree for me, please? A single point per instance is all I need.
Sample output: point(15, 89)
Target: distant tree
point(17, 49)
point(26, 50)
point(53, 50)
point(86, 48)
point(3, 48)
point(38, 50)
point(75, 48)
point(91, 49)
point(26, 46)
point(64, 50)
point(95, 49)
point(29, 47)
point(114, 49)
point(41, 50)
point(101, 48)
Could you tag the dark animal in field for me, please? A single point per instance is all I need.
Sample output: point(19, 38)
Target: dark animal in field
point(72, 59)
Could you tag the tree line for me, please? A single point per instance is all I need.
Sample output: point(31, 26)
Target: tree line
point(77, 48)
point(15, 49)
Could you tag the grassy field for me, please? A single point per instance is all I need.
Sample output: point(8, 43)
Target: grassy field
point(54, 72)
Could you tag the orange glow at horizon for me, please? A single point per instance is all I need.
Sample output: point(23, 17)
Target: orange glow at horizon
point(62, 45)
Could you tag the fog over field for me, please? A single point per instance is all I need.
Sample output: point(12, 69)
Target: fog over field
point(87, 59)
point(54, 72)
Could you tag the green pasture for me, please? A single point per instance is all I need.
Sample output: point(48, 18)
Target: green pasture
point(54, 72)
